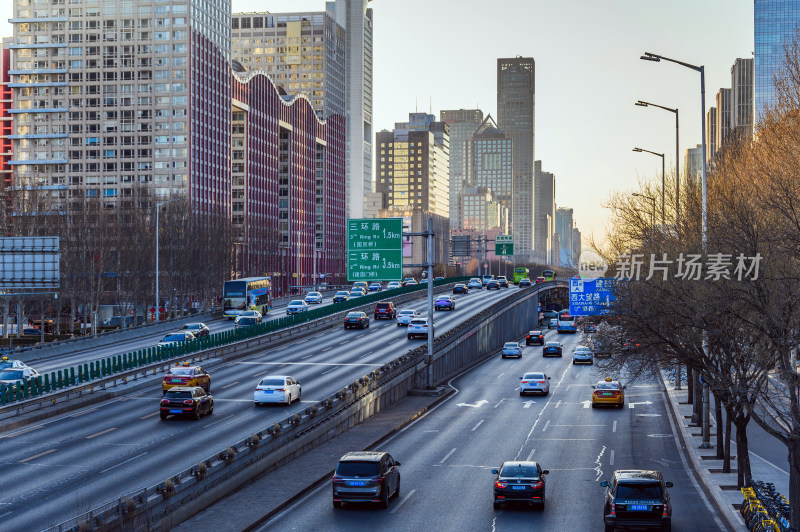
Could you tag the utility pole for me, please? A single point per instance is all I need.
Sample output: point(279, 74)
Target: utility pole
point(429, 237)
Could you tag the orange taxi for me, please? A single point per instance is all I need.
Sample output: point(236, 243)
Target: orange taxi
point(186, 375)
point(608, 392)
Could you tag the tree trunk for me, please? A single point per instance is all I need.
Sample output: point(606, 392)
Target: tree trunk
point(689, 384)
point(698, 400)
point(743, 473)
point(718, 428)
point(726, 464)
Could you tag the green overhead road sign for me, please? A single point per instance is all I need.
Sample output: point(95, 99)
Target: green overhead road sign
point(374, 249)
point(503, 245)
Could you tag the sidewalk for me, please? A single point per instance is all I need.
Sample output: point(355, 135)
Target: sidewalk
point(259, 500)
point(721, 486)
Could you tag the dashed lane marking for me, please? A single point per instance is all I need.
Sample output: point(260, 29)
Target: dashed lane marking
point(125, 462)
point(28, 459)
point(23, 431)
point(546, 425)
point(101, 433)
point(448, 455)
point(402, 502)
point(229, 385)
point(476, 426)
point(611, 458)
point(149, 415)
point(614, 427)
point(79, 414)
point(530, 456)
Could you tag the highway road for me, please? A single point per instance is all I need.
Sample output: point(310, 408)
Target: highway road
point(447, 455)
point(65, 465)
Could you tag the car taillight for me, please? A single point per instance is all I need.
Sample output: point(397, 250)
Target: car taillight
point(665, 512)
point(498, 484)
point(524, 382)
point(376, 480)
point(528, 337)
point(613, 509)
point(188, 402)
point(337, 480)
point(536, 485)
point(280, 389)
point(541, 382)
point(165, 401)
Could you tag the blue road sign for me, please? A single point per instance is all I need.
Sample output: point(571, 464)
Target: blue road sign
point(590, 297)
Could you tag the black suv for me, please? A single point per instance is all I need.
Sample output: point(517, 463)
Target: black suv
point(637, 498)
point(366, 476)
point(186, 400)
point(519, 482)
point(494, 284)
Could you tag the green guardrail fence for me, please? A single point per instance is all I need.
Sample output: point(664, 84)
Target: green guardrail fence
point(109, 366)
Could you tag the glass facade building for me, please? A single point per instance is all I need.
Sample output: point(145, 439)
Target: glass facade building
point(775, 23)
point(463, 123)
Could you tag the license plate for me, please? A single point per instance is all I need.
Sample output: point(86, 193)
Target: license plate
point(607, 395)
point(176, 380)
point(518, 487)
point(267, 391)
point(358, 483)
point(638, 507)
point(175, 411)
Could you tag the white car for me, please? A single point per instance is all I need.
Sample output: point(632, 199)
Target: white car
point(296, 306)
point(405, 316)
point(14, 375)
point(534, 382)
point(475, 283)
point(178, 337)
point(5, 363)
point(276, 389)
point(418, 327)
point(512, 349)
point(313, 297)
point(582, 355)
point(393, 284)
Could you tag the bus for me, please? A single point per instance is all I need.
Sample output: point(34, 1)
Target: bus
point(520, 273)
point(249, 293)
point(549, 275)
point(566, 323)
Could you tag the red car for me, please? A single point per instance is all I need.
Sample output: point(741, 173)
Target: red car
point(539, 280)
point(385, 309)
point(534, 338)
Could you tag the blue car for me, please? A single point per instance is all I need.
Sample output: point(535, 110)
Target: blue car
point(444, 302)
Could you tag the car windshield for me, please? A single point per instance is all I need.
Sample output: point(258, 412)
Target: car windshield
point(534, 376)
point(536, 333)
point(314, 294)
point(581, 349)
point(639, 492)
point(178, 395)
point(382, 305)
point(443, 298)
point(296, 302)
point(174, 338)
point(342, 293)
point(519, 471)
point(353, 314)
point(607, 386)
point(357, 469)
point(11, 374)
point(181, 371)
point(510, 345)
point(552, 344)
point(272, 382)
point(419, 322)
point(355, 293)
point(191, 326)
point(246, 321)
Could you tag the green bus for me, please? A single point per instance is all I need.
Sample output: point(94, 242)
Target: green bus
point(549, 275)
point(520, 273)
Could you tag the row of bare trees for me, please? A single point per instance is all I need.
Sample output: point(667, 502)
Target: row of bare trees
point(738, 329)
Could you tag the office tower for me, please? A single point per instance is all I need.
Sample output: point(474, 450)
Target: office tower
point(413, 165)
point(545, 214)
point(105, 96)
point(356, 18)
point(6, 103)
point(463, 123)
point(480, 210)
point(711, 133)
point(491, 162)
point(556, 250)
point(302, 52)
point(693, 164)
point(564, 225)
point(515, 117)
point(724, 119)
point(576, 244)
point(775, 23)
point(742, 98)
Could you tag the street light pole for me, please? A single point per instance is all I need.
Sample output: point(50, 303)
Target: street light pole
point(641, 103)
point(663, 180)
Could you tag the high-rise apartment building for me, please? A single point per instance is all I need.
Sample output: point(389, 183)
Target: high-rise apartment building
point(463, 123)
point(564, 225)
point(711, 133)
point(6, 121)
point(775, 24)
point(108, 100)
point(302, 52)
point(491, 162)
point(413, 165)
point(356, 18)
point(576, 244)
point(516, 84)
point(742, 98)
point(545, 214)
point(724, 119)
point(693, 163)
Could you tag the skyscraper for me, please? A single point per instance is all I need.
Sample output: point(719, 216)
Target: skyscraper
point(775, 23)
point(356, 18)
point(742, 97)
point(6, 102)
point(516, 85)
point(711, 133)
point(724, 119)
point(463, 123)
point(564, 224)
point(693, 163)
point(491, 162)
point(545, 214)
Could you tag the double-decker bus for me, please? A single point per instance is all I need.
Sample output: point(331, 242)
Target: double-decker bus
point(549, 275)
point(520, 273)
point(249, 293)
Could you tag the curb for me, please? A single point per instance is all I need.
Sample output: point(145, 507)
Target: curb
point(727, 512)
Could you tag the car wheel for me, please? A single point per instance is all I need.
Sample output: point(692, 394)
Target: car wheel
point(541, 505)
point(409, 337)
point(385, 498)
point(163, 416)
point(609, 528)
point(208, 388)
point(299, 393)
point(620, 405)
point(211, 409)
point(196, 414)
point(497, 505)
point(667, 527)
point(337, 504)
point(594, 405)
point(397, 489)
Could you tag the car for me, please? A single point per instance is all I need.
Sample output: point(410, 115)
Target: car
point(553, 323)
point(186, 374)
point(374, 287)
point(503, 281)
point(356, 293)
point(438, 279)
point(10, 376)
point(524, 283)
point(519, 481)
point(475, 284)
point(393, 284)
point(246, 321)
point(539, 280)
point(365, 476)
point(636, 499)
point(534, 338)
point(550, 314)
point(534, 382)
point(176, 338)
point(385, 309)
point(314, 297)
point(405, 316)
point(341, 295)
point(487, 278)
point(5, 363)
point(296, 306)
point(423, 280)
point(250, 314)
point(359, 285)
point(186, 401)
point(608, 392)
point(444, 302)
point(589, 328)
point(493, 284)
point(551, 349)
point(356, 319)
point(418, 327)
point(409, 281)
point(582, 355)
point(512, 349)
point(281, 389)
point(460, 288)
point(199, 330)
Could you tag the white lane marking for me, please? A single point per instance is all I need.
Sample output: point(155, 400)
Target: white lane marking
point(528, 404)
point(219, 420)
point(79, 414)
point(476, 426)
point(23, 431)
point(614, 426)
point(342, 343)
point(499, 403)
point(448, 455)
point(5, 514)
point(570, 425)
point(149, 415)
point(539, 415)
point(365, 354)
point(530, 456)
point(327, 348)
point(611, 458)
point(327, 371)
point(402, 502)
point(546, 425)
point(599, 469)
point(478, 404)
point(648, 415)
point(501, 375)
point(42, 454)
point(229, 385)
point(307, 356)
point(281, 364)
point(96, 434)
point(125, 462)
point(568, 439)
point(558, 403)
point(588, 404)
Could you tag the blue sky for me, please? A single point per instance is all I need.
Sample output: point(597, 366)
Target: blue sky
point(442, 54)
